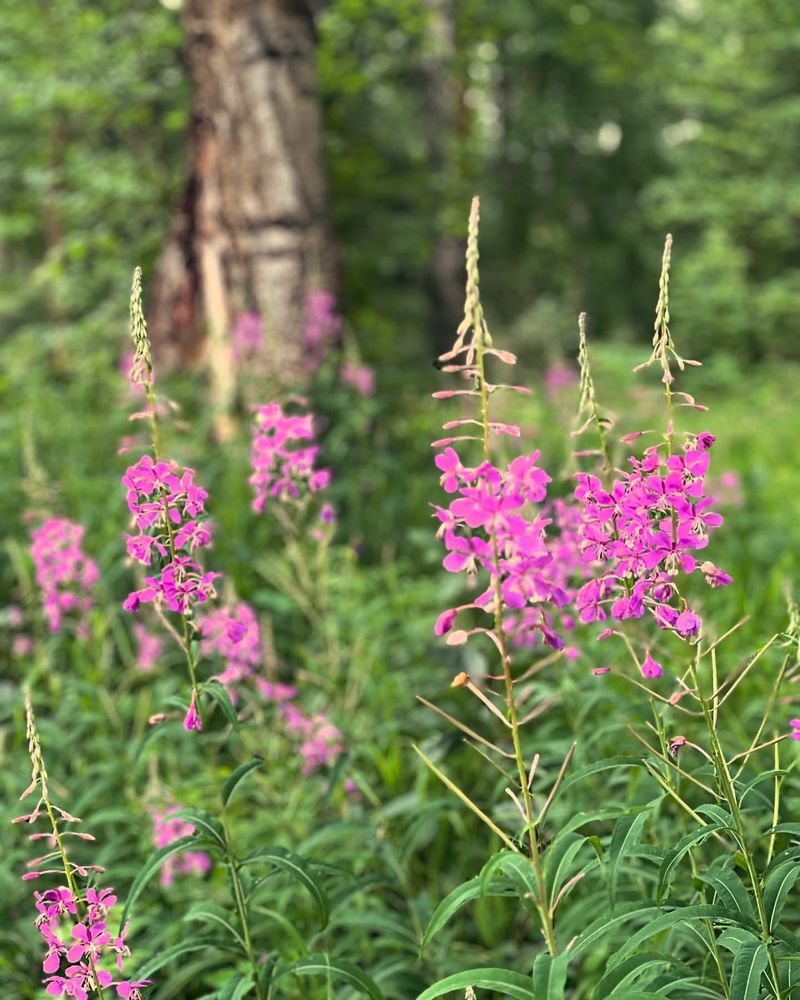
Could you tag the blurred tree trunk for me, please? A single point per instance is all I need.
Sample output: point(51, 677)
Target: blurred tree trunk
point(446, 128)
point(252, 233)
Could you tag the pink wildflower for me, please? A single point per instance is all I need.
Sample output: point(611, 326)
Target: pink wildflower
point(64, 574)
point(167, 827)
point(359, 377)
point(284, 466)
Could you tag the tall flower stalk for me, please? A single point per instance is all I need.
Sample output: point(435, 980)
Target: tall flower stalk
point(494, 526)
point(168, 510)
point(72, 918)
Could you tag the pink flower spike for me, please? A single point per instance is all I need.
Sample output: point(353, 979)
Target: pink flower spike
point(795, 724)
point(598, 671)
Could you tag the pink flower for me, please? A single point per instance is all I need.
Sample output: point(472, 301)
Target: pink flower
point(64, 574)
point(167, 827)
point(232, 633)
point(359, 377)
point(283, 464)
point(192, 718)
point(150, 647)
point(247, 337)
point(651, 667)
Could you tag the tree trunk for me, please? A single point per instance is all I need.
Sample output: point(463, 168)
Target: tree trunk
point(446, 127)
point(252, 233)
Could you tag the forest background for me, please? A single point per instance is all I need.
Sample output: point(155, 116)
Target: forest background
point(589, 130)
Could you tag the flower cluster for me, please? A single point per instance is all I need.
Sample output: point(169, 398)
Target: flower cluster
point(247, 337)
point(75, 931)
point(72, 921)
point(168, 827)
point(149, 647)
point(283, 456)
point(14, 619)
point(492, 525)
point(321, 741)
point(168, 510)
point(64, 573)
point(565, 572)
point(233, 634)
point(643, 531)
point(359, 377)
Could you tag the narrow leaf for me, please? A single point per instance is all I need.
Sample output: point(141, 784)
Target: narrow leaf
point(164, 957)
point(627, 831)
point(512, 984)
point(550, 976)
point(322, 965)
point(729, 889)
point(151, 866)
point(206, 825)
point(233, 779)
point(749, 963)
point(615, 980)
point(670, 919)
point(673, 858)
point(610, 763)
point(777, 887)
point(452, 903)
point(223, 699)
point(296, 866)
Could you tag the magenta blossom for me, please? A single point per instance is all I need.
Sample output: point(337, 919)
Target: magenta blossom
point(64, 574)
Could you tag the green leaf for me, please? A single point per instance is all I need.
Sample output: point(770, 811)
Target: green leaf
point(206, 826)
point(600, 765)
point(296, 866)
point(452, 903)
point(627, 832)
point(519, 868)
point(718, 815)
point(512, 984)
point(670, 919)
point(151, 866)
point(749, 963)
point(164, 957)
point(622, 975)
point(236, 987)
point(777, 887)
point(733, 938)
point(233, 779)
point(211, 913)
point(598, 928)
point(729, 889)
point(791, 828)
point(558, 862)
point(321, 965)
point(550, 976)
point(223, 699)
point(673, 858)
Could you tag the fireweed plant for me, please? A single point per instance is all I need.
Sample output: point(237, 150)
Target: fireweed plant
point(613, 562)
point(168, 514)
point(83, 957)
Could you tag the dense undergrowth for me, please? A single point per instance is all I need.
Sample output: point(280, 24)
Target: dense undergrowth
point(302, 848)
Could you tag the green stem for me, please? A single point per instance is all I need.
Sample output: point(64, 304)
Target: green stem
point(241, 909)
point(729, 794)
point(185, 619)
point(542, 906)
